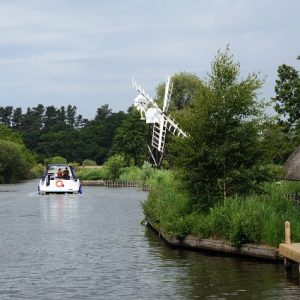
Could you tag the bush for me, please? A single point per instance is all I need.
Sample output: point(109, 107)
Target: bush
point(114, 166)
point(147, 171)
point(246, 228)
point(15, 162)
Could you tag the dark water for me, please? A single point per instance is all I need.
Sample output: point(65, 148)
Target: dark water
point(92, 246)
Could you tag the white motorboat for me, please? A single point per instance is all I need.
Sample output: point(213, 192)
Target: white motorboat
point(59, 178)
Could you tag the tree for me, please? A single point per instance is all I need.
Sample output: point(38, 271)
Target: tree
point(98, 135)
point(7, 134)
point(17, 118)
point(71, 115)
point(185, 87)
point(15, 159)
point(50, 118)
point(287, 99)
point(278, 143)
point(222, 154)
point(6, 115)
point(131, 138)
point(103, 112)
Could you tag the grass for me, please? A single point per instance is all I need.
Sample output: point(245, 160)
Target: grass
point(253, 219)
point(92, 173)
point(132, 173)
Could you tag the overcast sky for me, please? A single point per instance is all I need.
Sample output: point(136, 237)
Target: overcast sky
point(84, 52)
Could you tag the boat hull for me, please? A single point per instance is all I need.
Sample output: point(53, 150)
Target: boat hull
point(59, 186)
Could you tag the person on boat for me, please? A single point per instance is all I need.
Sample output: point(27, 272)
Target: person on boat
point(66, 173)
point(59, 173)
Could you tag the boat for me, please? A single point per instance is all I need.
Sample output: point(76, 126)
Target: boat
point(59, 178)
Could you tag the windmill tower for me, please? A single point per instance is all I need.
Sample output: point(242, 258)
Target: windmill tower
point(158, 117)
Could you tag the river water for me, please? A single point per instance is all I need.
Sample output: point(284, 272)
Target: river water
point(93, 246)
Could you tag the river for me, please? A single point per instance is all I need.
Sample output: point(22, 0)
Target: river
point(93, 246)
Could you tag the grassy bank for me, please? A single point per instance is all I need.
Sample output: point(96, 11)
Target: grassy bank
point(145, 174)
point(252, 219)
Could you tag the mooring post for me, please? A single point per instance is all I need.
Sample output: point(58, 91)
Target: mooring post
point(287, 236)
point(287, 232)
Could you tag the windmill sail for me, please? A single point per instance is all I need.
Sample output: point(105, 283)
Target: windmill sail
point(154, 115)
point(168, 93)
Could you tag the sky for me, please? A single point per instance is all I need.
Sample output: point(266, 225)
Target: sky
point(85, 52)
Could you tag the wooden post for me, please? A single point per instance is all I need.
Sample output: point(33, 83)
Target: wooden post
point(287, 232)
point(287, 237)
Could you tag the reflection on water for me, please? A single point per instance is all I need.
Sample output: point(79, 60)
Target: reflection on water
point(58, 208)
point(92, 246)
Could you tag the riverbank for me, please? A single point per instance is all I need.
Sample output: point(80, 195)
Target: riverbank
point(257, 219)
point(114, 183)
point(218, 246)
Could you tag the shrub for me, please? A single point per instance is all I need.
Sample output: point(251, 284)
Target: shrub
point(114, 166)
point(247, 228)
point(147, 171)
point(15, 162)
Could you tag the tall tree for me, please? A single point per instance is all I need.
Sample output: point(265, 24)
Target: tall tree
point(103, 112)
point(17, 118)
point(71, 115)
point(287, 99)
point(222, 154)
point(6, 113)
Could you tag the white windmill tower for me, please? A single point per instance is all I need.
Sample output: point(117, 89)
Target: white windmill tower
point(158, 117)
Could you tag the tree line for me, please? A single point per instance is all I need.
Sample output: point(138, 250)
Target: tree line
point(50, 131)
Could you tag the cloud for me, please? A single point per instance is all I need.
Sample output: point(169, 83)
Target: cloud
point(85, 52)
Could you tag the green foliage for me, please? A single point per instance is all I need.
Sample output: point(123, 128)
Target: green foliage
point(132, 173)
point(240, 220)
point(89, 162)
point(7, 134)
point(114, 166)
point(278, 143)
point(131, 139)
point(147, 171)
point(99, 173)
point(166, 206)
point(15, 162)
point(55, 160)
point(185, 88)
point(287, 97)
point(222, 155)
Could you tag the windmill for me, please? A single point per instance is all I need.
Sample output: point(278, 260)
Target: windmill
point(158, 117)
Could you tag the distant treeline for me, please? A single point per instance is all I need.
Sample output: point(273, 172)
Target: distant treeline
point(50, 131)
